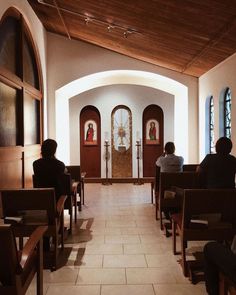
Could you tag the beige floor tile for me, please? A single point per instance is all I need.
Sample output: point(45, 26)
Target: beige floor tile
point(147, 223)
point(73, 290)
point(180, 289)
point(149, 276)
point(61, 276)
point(91, 239)
point(127, 290)
point(151, 248)
point(122, 239)
point(106, 231)
point(139, 230)
point(147, 239)
point(85, 260)
point(101, 276)
point(124, 261)
point(160, 260)
point(120, 223)
point(104, 249)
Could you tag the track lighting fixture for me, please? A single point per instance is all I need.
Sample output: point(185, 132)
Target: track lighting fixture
point(110, 27)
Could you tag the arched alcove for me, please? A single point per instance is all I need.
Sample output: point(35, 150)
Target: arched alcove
point(142, 78)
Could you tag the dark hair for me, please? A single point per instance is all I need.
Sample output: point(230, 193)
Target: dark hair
point(170, 147)
point(48, 148)
point(224, 146)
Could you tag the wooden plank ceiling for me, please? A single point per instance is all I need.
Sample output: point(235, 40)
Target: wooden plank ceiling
point(187, 36)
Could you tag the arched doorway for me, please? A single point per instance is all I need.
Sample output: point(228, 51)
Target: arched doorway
point(153, 127)
point(90, 141)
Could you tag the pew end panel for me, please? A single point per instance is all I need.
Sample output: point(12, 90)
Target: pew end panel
point(17, 268)
point(32, 208)
point(215, 209)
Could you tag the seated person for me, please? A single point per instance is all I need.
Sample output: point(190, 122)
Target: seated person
point(218, 170)
point(219, 258)
point(168, 161)
point(48, 170)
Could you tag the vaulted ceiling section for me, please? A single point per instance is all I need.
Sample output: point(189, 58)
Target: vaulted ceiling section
point(187, 36)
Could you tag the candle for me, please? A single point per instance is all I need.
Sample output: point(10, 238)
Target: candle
point(137, 135)
point(106, 136)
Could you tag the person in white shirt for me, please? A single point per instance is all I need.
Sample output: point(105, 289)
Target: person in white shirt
point(168, 161)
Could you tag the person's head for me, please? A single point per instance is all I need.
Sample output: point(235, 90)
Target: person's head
point(152, 124)
point(169, 148)
point(223, 146)
point(48, 148)
point(90, 125)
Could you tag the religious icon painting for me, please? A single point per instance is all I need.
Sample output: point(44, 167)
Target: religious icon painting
point(152, 132)
point(90, 132)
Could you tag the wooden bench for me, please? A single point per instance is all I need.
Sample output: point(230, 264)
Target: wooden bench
point(169, 180)
point(190, 167)
point(17, 268)
point(208, 202)
point(77, 185)
point(65, 186)
point(35, 207)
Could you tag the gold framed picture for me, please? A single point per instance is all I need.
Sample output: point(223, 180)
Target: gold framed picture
point(152, 132)
point(90, 132)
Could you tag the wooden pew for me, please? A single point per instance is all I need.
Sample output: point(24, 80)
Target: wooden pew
point(65, 182)
point(36, 207)
point(17, 269)
point(77, 184)
point(190, 167)
point(168, 180)
point(156, 188)
point(208, 202)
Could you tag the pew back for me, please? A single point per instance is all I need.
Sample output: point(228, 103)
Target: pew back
point(17, 201)
point(218, 209)
point(168, 180)
point(35, 207)
point(209, 201)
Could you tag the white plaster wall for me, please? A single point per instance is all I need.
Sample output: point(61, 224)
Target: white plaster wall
point(212, 83)
point(108, 97)
point(69, 60)
point(39, 36)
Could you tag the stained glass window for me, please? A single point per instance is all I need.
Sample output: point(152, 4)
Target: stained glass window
point(20, 95)
point(227, 113)
point(211, 125)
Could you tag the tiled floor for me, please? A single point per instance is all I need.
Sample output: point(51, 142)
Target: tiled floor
point(117, 248)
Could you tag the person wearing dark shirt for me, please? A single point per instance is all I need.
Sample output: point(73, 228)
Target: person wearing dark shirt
point(219, 258)
point(48, 170)
point(218, 170)
point(48, 173)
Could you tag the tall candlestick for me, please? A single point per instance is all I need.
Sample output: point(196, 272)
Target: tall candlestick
point(106, 145)
point(138, 145)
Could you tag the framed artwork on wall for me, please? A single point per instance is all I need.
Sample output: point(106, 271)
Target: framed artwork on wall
point(152, 132)
point(90, 132)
